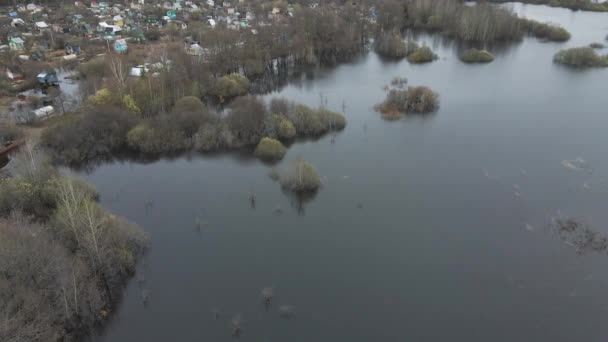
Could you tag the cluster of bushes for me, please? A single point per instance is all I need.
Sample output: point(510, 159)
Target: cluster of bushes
point(481, 22)
point(64, 259)
point(419, 100)
point(390, 44)
point(477, 56)
point(103, 131)
point(95, 134)
point(230, 86)
point(581, 57)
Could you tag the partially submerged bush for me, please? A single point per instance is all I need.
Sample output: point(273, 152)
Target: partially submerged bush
point(422, 54)
point(270, 149)
point(551, 32)
point(422, 100)
point(581, 57)
point(477, 56)
point(313, 123)
point(299, 177)
point(411, 100)
point(597, 45)
point(391, 45)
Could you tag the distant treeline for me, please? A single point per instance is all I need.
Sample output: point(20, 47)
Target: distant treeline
point(582, 5)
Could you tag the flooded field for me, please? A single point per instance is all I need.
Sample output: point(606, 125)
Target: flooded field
point(483, 221)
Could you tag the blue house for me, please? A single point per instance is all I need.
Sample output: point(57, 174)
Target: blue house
point(47, 78)
point(120, 45)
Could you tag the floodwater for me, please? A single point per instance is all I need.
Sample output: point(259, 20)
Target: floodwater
point(432, 228)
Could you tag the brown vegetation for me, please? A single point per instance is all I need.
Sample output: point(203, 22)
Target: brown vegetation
point(413, 100)
point(65, 263)
point(581, 57)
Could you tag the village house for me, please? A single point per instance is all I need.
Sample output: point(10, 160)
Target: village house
point(16, 44)
point(41, 26)
point(120, 45)
point(47, 78)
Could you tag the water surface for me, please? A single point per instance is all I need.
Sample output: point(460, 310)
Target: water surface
point(419, 232)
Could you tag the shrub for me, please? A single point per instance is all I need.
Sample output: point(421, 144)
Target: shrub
point(581, 57)
point(333, 120)
point(309, 122)
point(300, 177)
point(422, 100)
point(129, 104)
point(102, 97)
point(285, 129)
point(270, 149)
point(546, 31)
point(422, 54)
point(246, 119)
point(161, 134)
point(208, 138)
point(477, 56)
point(189, 104)
point(412, 100)
point(230, 86)
point(139, 137)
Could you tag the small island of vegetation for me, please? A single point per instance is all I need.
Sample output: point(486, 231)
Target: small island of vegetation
point(581, 57)
point(413, 100)
point(477, 56)
point(300, 177)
